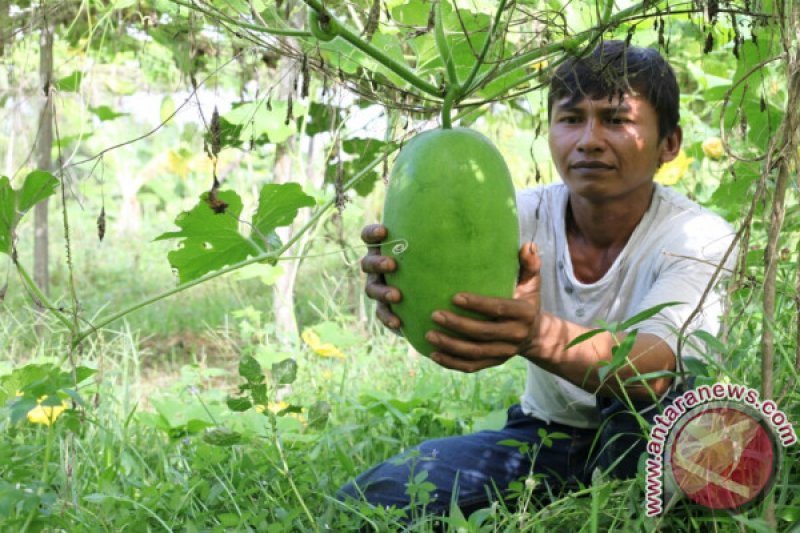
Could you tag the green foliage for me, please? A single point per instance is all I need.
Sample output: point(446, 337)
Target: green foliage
point(210, 237)
point(37, 186)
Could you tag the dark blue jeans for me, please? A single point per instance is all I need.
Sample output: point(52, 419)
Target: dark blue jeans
point(473, 470)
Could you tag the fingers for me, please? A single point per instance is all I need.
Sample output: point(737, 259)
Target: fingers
point(496, 307)
point(378, 290)
point(385, 315)
point(465, 365)
point(374, 233)
point(514, 331)
point(530, 264)
point(466, 349)
point(374, 263)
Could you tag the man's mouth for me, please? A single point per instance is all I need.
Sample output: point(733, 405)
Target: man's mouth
point(592, 164)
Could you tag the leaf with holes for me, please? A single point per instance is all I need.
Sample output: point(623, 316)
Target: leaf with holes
point(37, 186)
point(210, 236)
point(210, 240)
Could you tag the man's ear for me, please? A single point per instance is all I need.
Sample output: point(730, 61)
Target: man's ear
point(671, 146)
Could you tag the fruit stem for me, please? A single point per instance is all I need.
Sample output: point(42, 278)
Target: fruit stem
point(447, 106)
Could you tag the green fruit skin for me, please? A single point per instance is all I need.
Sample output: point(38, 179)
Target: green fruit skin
point(451, 201)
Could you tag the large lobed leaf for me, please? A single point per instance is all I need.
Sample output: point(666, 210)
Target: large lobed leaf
point(37, 186)
point(211, 240)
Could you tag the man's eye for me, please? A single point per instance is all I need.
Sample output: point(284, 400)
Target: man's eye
point(570, 119)
point(617, 121)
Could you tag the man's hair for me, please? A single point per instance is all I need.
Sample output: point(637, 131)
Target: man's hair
point(613, 69)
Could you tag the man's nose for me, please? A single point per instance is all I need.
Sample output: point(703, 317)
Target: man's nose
point(591, 138)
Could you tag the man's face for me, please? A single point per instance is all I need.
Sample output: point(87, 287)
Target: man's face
point(609, 150)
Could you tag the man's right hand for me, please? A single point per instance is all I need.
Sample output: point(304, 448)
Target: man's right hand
point(375, 266)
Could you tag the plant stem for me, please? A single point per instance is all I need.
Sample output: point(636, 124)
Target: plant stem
point(256, 259)
point(441, 44)
point(467, 86)
point(398, 68)
point(41, 296)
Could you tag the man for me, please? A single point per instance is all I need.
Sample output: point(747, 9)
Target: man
point(606, 244)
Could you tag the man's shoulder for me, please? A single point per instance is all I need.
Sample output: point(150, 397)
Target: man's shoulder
point(685, 224)
point(677, 208)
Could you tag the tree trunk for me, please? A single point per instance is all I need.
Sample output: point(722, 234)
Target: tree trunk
point(283, 289)
point(43, 161)
point(283, 309)
point(5, 25)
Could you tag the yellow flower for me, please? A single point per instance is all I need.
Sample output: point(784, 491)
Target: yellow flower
point(671, 172)
point(46, 414)
point(712, 147)
point(325, 350)
point(539, 65)
point(275, 407)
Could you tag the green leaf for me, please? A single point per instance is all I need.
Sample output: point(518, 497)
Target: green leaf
point(650, 375)
point(167, 108)
point(523, 447)
point(238, 404)
point(250, 370)
point(20, 408)
point(258, 120)
point(37, 186)
point(71, 83)
point(584, 337)
point(220, 436)
point(318, 414)
point(211, 240)
point(359, 153)
point(727, 198)
point(620, 352)
point(105, 113)
point(323, 118)
point(284, 372)
point(278, 205)
point(647, 313)
point(413, 13)
point(8, 202)
point(711, 341)
point(230, 135)
point(696, 367)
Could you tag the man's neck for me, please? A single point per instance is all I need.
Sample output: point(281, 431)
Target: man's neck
point(597, 233)
point(608, 224)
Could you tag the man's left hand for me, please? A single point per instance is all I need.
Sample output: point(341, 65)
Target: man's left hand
point(512, 327)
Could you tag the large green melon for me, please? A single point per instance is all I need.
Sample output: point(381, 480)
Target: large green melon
point(451, 217)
